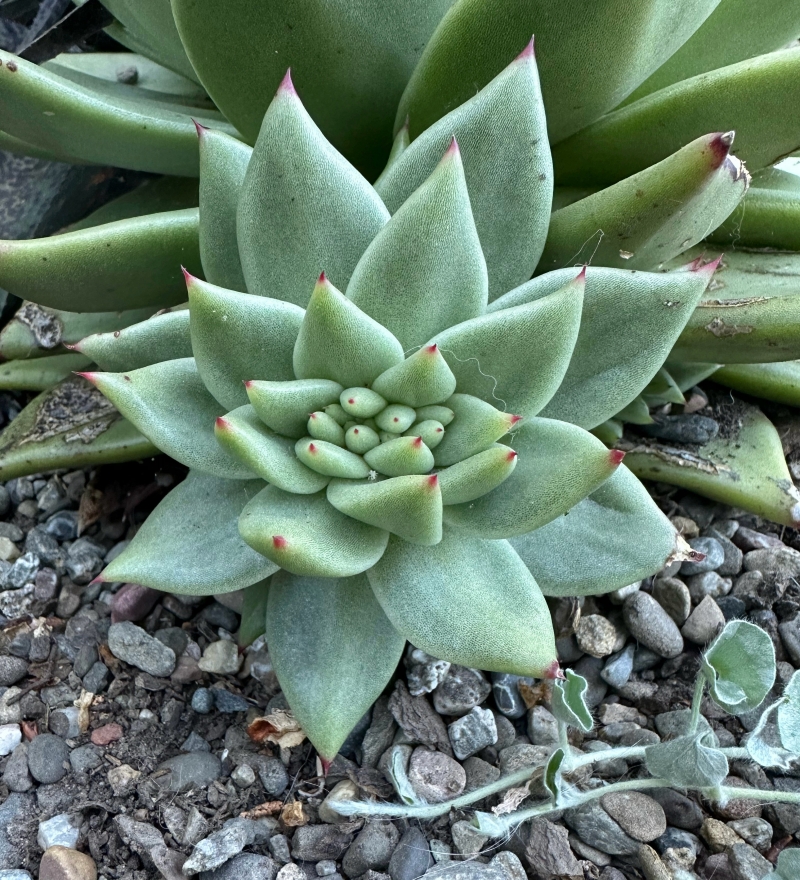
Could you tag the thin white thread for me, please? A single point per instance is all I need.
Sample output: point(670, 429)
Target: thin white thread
point(588, 262)
point(480, 370)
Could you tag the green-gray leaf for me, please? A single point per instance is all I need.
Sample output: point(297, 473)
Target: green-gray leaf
point(568, 702)
point(688, 761)
point(789, 715)
point(740, 667)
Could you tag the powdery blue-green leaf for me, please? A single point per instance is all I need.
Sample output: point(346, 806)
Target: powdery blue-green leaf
point(740, 667)
point(559, 465)
point(552, 774)
point(396, 771)
point(190, 543)
point(568, 702)
point(761, 749)
point(162, 337)
point(238, 337)
point(503, 139)
point(333, 651)
point(303, 208)
point(400, 457)
point(476, 426)
point(245, 437)
point(330, 459)
point(663, 388)
point(629, 323)
point(471, 601)
point(285, 406)
point(305, 535)
point(688, 761)
point(340, 342)
point(517, 357)
point(788, 865)
point(254, 613)
point(637, 412)
point(170, 405)
point(409, 506)
point(788, 716)
point(425, 270)
point(475, 476)
point(779, 382)
point(612, 538)
point(39, 374)
point(420, 380)
point(223, 163)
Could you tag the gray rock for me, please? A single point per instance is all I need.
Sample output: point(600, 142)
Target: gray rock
point(467, 840)
point(709, 583)
point(63, 526)
point(65, 722)
point(23, 571)
point(379, 735)
point(220, 847)
point(47, 757)
point(325, 868)
point(751, 589)
point(510, 865)
point(424, 673)
point(548, 852)
point(10, 738)
point(682, 428)
point(680, 811)
point(96, 679)
point(790, 636)
point(472, 732)
point(85, 758)
point(312, 843)
point(14, 874)
point(596, 635)
point(173, 637)
point(435, 777)
point(87, 657)
point(273, 776)
point(227, 702)
point(505, 689)
point(441, 852)
point(372, 849)
point(542, 727)
point(221, 658)
point(714, 556)
point(247, 866)
point(618, 667)
point(594, 826)
point(731, 607)
point(465, 871)
point(734, 558)
point(16, 775)
point(195, 743)
point(279, 848)
point(132, 644)
point(674, 597)
point(58, 831)
point(522, 755)
point(12, 669)
point(218, 615)
point(16, 811)
point(755, 831)
point(782, 563)
point(745, 862)
point(506, 732)
point(192, 770)
point(202, 701)
point(704, 623)
point(785, 818)
point(411, 857)
point(479, 773)
point(590, 668)
point(637, 815)
point(675, 838)
point(650, 624)
point(461, 690)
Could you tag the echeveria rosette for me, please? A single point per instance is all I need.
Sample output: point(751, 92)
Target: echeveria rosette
point(439, 532)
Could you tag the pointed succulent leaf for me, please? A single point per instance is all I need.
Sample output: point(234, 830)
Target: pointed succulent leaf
point(395, 418)
point(361, 403)
point(420, 380)
point(132, 263)
point(254, 613)
point(333, 650)
point(351, 62)
point(601, 56)
point(519, 355)
point(477, 426)
point(400, 457)
point(654, 215)
point(409, 506)
point(245, 437)
point(237, 337)
point(163, 337)
point(612, 538)
point(170, 405)
point(569, 703)
point(330, 460)
point(284, 406)
point(502, 134)
point(749, 314)
point(190, 543)
point(755, 98)
point(321, 426)
point(39, 374)
point(302, 207)
point(687, 374)
point(739, 666)
point(788, 865)
point(788, 715)
point(429, 431)
point(552, 774)
point(559, 465)
point(338, 341)
point(688, 761)
point(305, 535)
point(361, 438)
point(223, 163)
point(53, 113)
point(475, 476)
point(778, 382)
point(425, 270)
point(473, 602)
point(662, 388)
point(745, 469)
point(637, 412)
point(442, 414)
point(629, 323)
point(399, 145)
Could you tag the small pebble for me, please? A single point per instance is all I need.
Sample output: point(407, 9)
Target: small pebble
point(47, 757)
point(58, 831)
point(674, 597)
point(714, 556)
point(637, 814)
point(505, 689)
point(435, 777)
point(133, 645)
point(221, 658)
point(704, 623)
point(650, 624)
point(243, 776)
point(202, 701)
point(106, 734)
point(709, 583)
point(461, 690)
point(10, 738)
point(61, 863)
point(596, 635)
point(472, 732)
point(225, 701)
point(618, 667)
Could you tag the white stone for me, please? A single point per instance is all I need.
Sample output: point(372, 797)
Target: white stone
point(10, 738)
point(58, 831)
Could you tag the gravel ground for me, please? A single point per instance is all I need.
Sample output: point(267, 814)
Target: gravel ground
point(124, 749)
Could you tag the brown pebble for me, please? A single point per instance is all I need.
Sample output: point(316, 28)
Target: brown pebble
point(106, 734)
point(133, 602)
point(637, 814)
point(62, 863)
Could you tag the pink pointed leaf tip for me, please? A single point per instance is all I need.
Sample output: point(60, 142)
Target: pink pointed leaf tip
point(582, 274)
point(222, 423)
point(710, 268)
point(433, 481)
point(279, 542)
point(351, 400)
point(529, 52)
point(323, 278)
point(432, 349)
point(199, 128)
point(287, 86)
point(98, 580)
point(616, 456)
point(452, 151)
point(312, 448)
point(439, 431)
point(554, 672)
point(187, 276)
point(395, 419)
point(720, 145)
point(326, 765)
point(90, 377)
point(511, 455)
point(355, 430)
point(248, 383)
point(417, 441)
point(515, 419)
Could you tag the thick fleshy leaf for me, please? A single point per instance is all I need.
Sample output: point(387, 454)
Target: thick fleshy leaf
point(503, 138)
point(399, 145)
point(475, 476)
point(395, 418)
point(652, 216)
point(473, 602)
point(57, 114)
point(321, 426)
point(400, 457)
point(170, 405)
point(420, 380)
point(130, 264)
point(637, 412)
point(612, 538)
point(409, 507)
point(740, 667)
point(687, 375)
point(163, 337)
point(331, 460)
point(629, 323)
point(39, 374)
point(351, 62)
point(517, 357)
point(429, 431)
point(779, 382)
point(569, 704)
point(284, 406)
point(303, 208)
point(238, 337)
point(191, 544)
point(254, 613)
point(749, 314)
point(272, 457)
point(477, 426)
point(69, 426)
point(333, 650)
point(338, 341)
point(35, 331)
point(746, 468)
point(223, 163)
point(305, 535)
point(755, 98)
point(559, 465)
point(662, 388)
point(735, 30)
point(425, 270)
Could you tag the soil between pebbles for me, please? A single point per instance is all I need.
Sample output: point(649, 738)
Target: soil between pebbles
point(155, 776)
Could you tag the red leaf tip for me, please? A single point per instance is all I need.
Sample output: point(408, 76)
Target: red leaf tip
point(616, 456)
point(312, 448)
point(90, 377)
point(98, 580)
point(222, 423)
point(287, 86)
point(582, 275)
point(511, 455)
point(200, 129)
point(452, 151)
point(432, 349)
point(529, 52)
point(279, 542)
point(323, 278)
point(721, 144)
point(514, 419)
point(554, 672)
point(326, 765)
point(709, 269)
point(417, 441)
point(187, 276)
point(433, 481)
point(248, 383)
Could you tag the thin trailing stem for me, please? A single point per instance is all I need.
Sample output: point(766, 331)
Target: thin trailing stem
point(697, 699)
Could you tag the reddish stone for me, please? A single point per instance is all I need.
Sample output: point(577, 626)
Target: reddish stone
point(133, 602)
point(106, 734)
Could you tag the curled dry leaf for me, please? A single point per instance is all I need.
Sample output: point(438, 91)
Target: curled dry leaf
point(533, 694)
point(292, 815)
point(683, 552)
point(268, 808)
point(512, 799)
point(83, 703)
point(279, 727)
